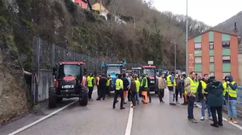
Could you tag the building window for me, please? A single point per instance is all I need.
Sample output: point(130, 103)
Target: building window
point(198, 53)
point(226, 44)
point(211, 59)
point(198, 45)
point(198, 60)
point(211, 45)
point(226, 59)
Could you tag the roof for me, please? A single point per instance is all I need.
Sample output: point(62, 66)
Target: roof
point(98, 7)
point(82, 4)
point(149, 67)
point(114, 65)
point(136, 68)
point(72, 63)
point(214, 30)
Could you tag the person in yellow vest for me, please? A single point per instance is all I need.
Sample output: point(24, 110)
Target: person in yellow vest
point(145, 88)
point(108, 85)
point(202, 97)
point(119, 92)
point(171, 84)
point(90, 85)
point(98, 85)
point(137, 83)
point(231, 95)
point(191, 90)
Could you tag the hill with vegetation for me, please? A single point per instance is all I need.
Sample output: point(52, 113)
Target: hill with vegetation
point(146, 35)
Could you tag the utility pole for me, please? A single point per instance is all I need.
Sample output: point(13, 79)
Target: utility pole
point(175, 58)
point(187, 62)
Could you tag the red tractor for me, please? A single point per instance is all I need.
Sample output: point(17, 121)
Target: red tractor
point(68, 83)
point(150, 71)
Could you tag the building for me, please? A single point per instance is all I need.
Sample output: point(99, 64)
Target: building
point(216, 53)
point(100, 9)
point(81, 3)
point(240, 63)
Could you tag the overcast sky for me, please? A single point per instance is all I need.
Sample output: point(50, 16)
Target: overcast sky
point(211, 12)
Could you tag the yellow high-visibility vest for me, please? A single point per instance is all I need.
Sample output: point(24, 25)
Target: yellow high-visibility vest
point(204, 86)
point(119, 84)
point(169, 82)
point(227, 89)
point(108, 82)
point(146, 82)
point(193, 86)
point(137, 83)
point(90, 81)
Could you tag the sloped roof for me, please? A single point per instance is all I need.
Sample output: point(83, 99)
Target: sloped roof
point(215, 30)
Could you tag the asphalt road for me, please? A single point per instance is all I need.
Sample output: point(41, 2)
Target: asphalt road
point(98, 118)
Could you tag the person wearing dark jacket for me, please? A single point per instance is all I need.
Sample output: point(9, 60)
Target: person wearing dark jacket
point(133, 92)
point(215, 101)
point(126, 89)
point(102, 87)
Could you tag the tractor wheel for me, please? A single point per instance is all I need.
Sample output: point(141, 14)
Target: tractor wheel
point(52, 98)
point(83, 100)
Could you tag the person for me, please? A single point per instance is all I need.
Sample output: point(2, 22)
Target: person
point(185, 102)
point(215, 101)
point(177, 89)
point(161, 88)
point(231, 95)
point(108, 85)
point(119, 85)
point(98, 85)
point(180, 84)
point(191, 89)
point(90, 85)
point(137, 83)
point(126, 90)
point(202, 96)
point(133, 92)
point(102, 87)
point(170, 80)
point(145, 88)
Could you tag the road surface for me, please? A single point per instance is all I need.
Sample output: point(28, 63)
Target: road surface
point(98, 118)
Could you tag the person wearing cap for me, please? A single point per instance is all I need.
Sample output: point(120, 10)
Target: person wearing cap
point(119, 92)
point(231, 95)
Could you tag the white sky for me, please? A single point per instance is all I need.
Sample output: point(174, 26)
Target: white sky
point(211, 12)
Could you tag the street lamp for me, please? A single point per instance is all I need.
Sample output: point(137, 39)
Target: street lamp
point(187, 36)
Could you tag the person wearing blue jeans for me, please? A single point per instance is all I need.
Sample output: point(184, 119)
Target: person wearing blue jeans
point(231, 95)
point(204, 108)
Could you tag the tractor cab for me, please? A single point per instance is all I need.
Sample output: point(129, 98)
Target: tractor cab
point(150, 71)
point(68, 83)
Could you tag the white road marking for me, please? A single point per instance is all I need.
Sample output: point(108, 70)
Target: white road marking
point(235, 125)
point(42, 119)
point(130, 121)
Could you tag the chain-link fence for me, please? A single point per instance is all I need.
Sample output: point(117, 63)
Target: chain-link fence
point(46, 56)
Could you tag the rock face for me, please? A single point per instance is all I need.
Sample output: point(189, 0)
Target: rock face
point(13, 101)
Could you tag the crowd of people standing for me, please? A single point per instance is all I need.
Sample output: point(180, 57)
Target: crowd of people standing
point(193, 89)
